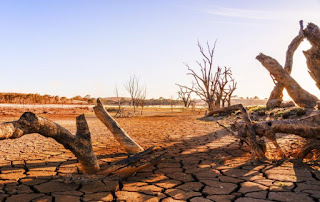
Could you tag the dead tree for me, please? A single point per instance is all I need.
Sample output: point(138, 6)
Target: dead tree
point(223, 94)
point(230, 91)
point(205, 84)
point(282, 75)
point(141, 98)
point(133, 88)
point(222, 82)
point(300, 96)
point(185, 95)
point(116, 92)
point(312, 34)
point(209, 85)
point(276, 95)
point(80, 144)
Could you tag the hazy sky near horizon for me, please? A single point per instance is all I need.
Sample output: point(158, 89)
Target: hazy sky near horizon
point(71, 48)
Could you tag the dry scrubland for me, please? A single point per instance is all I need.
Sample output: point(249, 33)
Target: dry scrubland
point(204, 163)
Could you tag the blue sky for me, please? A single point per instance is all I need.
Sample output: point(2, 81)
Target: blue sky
point(71, 48)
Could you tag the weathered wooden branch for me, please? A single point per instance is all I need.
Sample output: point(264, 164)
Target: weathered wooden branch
point(300, 96)
point(79, 144)
point(256, 149)
point(224, 110)
point(307, 127)
point(247, 134)
point(121, 136)
point(312, 33)
point(133, 164)
point(276, 94)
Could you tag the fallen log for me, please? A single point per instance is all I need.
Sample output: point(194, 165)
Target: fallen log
point(300, 96)
point(224, 110)
point(121, 136)
point(312, 33)
point(307, 127)
point(248, 135)
point(276, 95)
point(79, 144)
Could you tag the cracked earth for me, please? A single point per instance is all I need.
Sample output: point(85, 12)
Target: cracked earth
point(204, 163)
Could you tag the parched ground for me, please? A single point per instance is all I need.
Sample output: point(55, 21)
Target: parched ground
point(204, 163)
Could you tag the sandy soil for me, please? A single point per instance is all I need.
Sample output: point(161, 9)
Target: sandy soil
point(204, 163)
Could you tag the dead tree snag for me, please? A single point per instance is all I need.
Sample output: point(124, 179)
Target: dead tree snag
point(121, 136)
point(300, 96)
point(277, 93)
point(312, 33)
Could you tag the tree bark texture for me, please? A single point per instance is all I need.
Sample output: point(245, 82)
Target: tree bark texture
point(307, 127)
point(312, 33)
point(300, 96)
point(121, 136)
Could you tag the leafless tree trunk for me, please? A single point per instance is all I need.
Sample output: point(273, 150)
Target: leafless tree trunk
point(276, 95)
point(133, 88)
point(300, 96)
point(185, 95)
point(116, 92)
point(230, 92)
point(209, 85)
point(141, 100)
point(121, 136)
point(312, 33)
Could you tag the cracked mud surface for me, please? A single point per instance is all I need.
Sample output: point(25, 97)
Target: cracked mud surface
point(204, 163)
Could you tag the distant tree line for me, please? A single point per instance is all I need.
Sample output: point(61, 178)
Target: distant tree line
point(147, 102)
point(20, 98)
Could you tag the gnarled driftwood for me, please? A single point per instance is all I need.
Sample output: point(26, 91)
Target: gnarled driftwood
point(312, 33)
point(276, 95)
point(79, 144)
point(300, 96)
point(121, 136)
point(307, 127)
